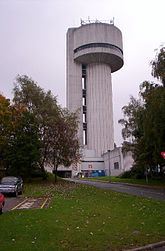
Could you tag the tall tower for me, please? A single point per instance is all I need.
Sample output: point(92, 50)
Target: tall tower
point(94, 51)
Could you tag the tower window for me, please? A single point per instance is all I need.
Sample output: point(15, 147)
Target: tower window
point(83, 85)
point(84, 118)
point(84, 101)
point(85, 137)
point(83, 70)
point(116, 165)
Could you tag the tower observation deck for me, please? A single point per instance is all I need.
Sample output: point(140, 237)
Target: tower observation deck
point(94, 51)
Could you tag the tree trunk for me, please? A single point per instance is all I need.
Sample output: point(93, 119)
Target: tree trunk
point(44, 176)
point(55, 173)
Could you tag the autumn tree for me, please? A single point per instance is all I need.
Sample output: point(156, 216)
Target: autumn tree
point(57, 127)
point(42, 105)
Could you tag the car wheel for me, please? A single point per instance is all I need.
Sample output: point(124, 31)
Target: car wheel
point(16, 193)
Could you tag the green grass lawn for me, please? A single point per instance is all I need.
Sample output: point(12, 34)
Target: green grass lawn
point(82, 218)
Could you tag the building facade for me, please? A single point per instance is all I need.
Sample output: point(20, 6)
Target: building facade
point(94, 51)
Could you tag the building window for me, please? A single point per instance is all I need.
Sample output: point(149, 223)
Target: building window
point(83, 101)
point(84, 118)
point(116, 165)
point(85, 137)
point(83, 83)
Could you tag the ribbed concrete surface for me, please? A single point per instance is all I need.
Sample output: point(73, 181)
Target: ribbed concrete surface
point(100, 133)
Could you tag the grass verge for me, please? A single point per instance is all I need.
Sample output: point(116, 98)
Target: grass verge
point(82, 218)
point(151, 182)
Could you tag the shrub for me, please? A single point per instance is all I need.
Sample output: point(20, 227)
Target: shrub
point(126, 174)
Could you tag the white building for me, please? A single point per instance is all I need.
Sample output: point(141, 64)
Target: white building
point(94, 51)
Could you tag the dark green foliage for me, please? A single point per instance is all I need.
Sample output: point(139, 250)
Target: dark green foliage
point(126, 174)
point(158, 66)
point(23, 153)
point(136, 172)
point(144, 124)
point(5, 129)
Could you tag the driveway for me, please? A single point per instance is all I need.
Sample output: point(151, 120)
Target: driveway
point(152, 193)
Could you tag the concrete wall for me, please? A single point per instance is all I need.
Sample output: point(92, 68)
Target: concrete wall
point(125, 161)
point(97, 33)
point(112, 157)
point(74, 82)
point(128, 161)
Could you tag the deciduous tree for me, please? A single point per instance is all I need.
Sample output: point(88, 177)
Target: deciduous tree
point(56, 127)
point(64, 145)
point(144, 119)
point(158, 66)
point(5, 127)
point(43, 105)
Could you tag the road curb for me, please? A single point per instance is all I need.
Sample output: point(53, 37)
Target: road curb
point(141, 185)
point(148, 247)
point(129, 184)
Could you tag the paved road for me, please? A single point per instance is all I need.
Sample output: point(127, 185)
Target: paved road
point(11, 202)
point(159, 249)
point(156, 193)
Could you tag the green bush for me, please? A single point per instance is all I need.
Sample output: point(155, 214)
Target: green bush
point(126, 174)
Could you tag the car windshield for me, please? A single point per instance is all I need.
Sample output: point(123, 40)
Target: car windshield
point(8, 180)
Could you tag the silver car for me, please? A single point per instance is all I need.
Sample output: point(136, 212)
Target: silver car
point(11, 184)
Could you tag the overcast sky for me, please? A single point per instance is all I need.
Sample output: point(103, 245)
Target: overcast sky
point(33, 42)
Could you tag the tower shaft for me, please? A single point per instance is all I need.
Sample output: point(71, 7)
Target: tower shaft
point(100, 132)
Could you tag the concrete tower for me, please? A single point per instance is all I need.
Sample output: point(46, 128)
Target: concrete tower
point(94, 51)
